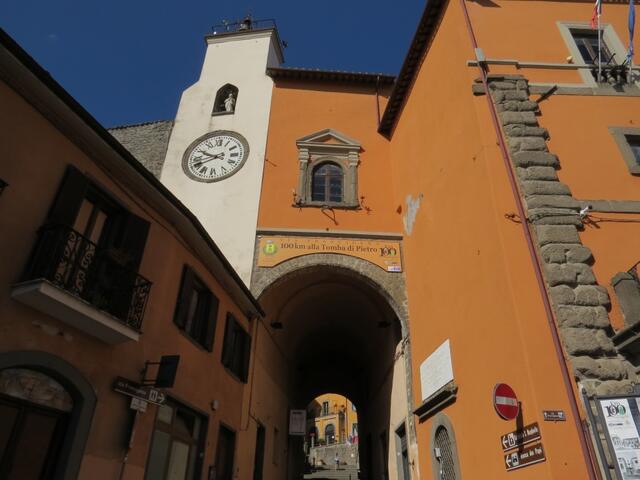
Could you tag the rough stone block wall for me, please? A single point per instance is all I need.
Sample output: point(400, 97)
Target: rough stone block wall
point(147, 142)
point(581, 305)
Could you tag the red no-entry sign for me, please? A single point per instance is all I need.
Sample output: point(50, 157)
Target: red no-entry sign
point(505, 401)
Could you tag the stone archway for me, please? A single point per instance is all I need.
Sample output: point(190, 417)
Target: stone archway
point(330, 283)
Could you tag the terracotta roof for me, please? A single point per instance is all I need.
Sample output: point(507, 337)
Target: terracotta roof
point(411, 64)
point(330, 75)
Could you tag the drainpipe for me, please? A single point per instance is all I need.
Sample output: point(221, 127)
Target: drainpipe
point(535, 260)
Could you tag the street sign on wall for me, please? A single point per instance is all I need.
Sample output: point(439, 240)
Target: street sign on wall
point(517, 438)
point(505, 401)
point(524, 457)
point(132, 389)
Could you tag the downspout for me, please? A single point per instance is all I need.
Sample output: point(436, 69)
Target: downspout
point(535, 260)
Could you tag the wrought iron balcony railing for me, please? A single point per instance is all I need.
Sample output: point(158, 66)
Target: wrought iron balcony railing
point(73, 263)
point(612, 74)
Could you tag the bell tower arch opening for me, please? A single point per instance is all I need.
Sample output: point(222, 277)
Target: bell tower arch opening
point(336, 328)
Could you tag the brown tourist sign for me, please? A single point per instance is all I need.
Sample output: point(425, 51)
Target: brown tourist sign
point(524, 457)
point(383, 253)
point(517, 438)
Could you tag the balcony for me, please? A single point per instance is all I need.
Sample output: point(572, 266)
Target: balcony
point(73, 280)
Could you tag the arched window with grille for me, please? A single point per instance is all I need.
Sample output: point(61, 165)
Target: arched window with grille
point(327, 183)
point(444, 449)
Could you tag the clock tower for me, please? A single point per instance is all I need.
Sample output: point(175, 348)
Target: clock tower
point(215, 156)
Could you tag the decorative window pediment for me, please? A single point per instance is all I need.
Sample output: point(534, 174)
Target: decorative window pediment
point(328, 162)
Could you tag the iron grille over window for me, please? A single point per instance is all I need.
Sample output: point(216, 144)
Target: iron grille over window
point(443, 444)
point(327, 183)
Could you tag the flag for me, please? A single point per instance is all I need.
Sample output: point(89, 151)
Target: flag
point(597, 10)
point(632, 26)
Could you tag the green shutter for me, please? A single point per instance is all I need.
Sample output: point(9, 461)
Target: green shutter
point(212, 320)
point(71, 192)
point(182, 305)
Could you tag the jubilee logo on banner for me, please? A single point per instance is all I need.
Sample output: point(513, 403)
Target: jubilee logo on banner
point(618, 415)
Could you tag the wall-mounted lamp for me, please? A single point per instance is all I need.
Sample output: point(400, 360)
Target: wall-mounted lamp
point(3, 185)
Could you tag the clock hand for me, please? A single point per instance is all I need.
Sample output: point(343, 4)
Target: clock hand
point(201, 160)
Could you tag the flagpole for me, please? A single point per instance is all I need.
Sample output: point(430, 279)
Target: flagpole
point(599, 48)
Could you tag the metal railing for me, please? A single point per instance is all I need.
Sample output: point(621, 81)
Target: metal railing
point(246, 24)
point(72, 262)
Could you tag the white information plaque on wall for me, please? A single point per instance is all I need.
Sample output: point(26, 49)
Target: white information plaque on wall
point(297, 422)
point(436, 371)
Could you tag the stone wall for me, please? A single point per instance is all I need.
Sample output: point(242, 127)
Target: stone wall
point(581, 305)
point(326, 456)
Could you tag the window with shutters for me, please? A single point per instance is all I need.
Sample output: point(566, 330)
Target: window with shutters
point(196, 309)
point(91, 246)
point(628, 141)
point(236, 349)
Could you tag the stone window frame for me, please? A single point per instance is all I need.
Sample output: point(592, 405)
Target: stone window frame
point(313, 150)
point(609, 36)
point(443, 421)
point(620, 136)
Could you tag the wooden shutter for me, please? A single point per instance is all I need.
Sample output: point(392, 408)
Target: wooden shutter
point(184, 296)
point(229, 341)
point(212, 320)
point(246, 355)
point(71, 192)
point(134, 238)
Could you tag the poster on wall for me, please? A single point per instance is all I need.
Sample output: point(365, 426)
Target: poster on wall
point(621, 417)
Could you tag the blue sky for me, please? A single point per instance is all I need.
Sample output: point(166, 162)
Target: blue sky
point(127, 61)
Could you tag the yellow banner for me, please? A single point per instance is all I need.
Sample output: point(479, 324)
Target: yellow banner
point(383, 253)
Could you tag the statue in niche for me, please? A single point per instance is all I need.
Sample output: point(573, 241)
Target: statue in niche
point(230, 103)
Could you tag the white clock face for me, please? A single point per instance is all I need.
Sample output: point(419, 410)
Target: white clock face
point(215, 156)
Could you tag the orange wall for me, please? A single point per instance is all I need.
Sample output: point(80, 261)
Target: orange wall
point(34, 170)
point(591, 163)
point(301, 109)
point(468, 272)
point(527, 31)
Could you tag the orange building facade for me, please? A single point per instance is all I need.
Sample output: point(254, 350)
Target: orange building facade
point(419, 240)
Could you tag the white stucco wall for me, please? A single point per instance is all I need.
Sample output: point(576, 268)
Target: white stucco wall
point(228, 209)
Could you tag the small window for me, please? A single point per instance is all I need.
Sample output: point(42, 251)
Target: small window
point(628, 141)
point(226, 100)
point(327, 183)
point(177, 445)
point(325, 408)
point(587, 43)
point(236, 350)
point(634, 145)
point(196, 310)
point(444, 454)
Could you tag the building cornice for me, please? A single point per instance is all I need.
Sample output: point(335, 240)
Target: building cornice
point(411, 65)
point(336, 76)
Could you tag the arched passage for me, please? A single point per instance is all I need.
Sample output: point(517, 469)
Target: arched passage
point(339, 324)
